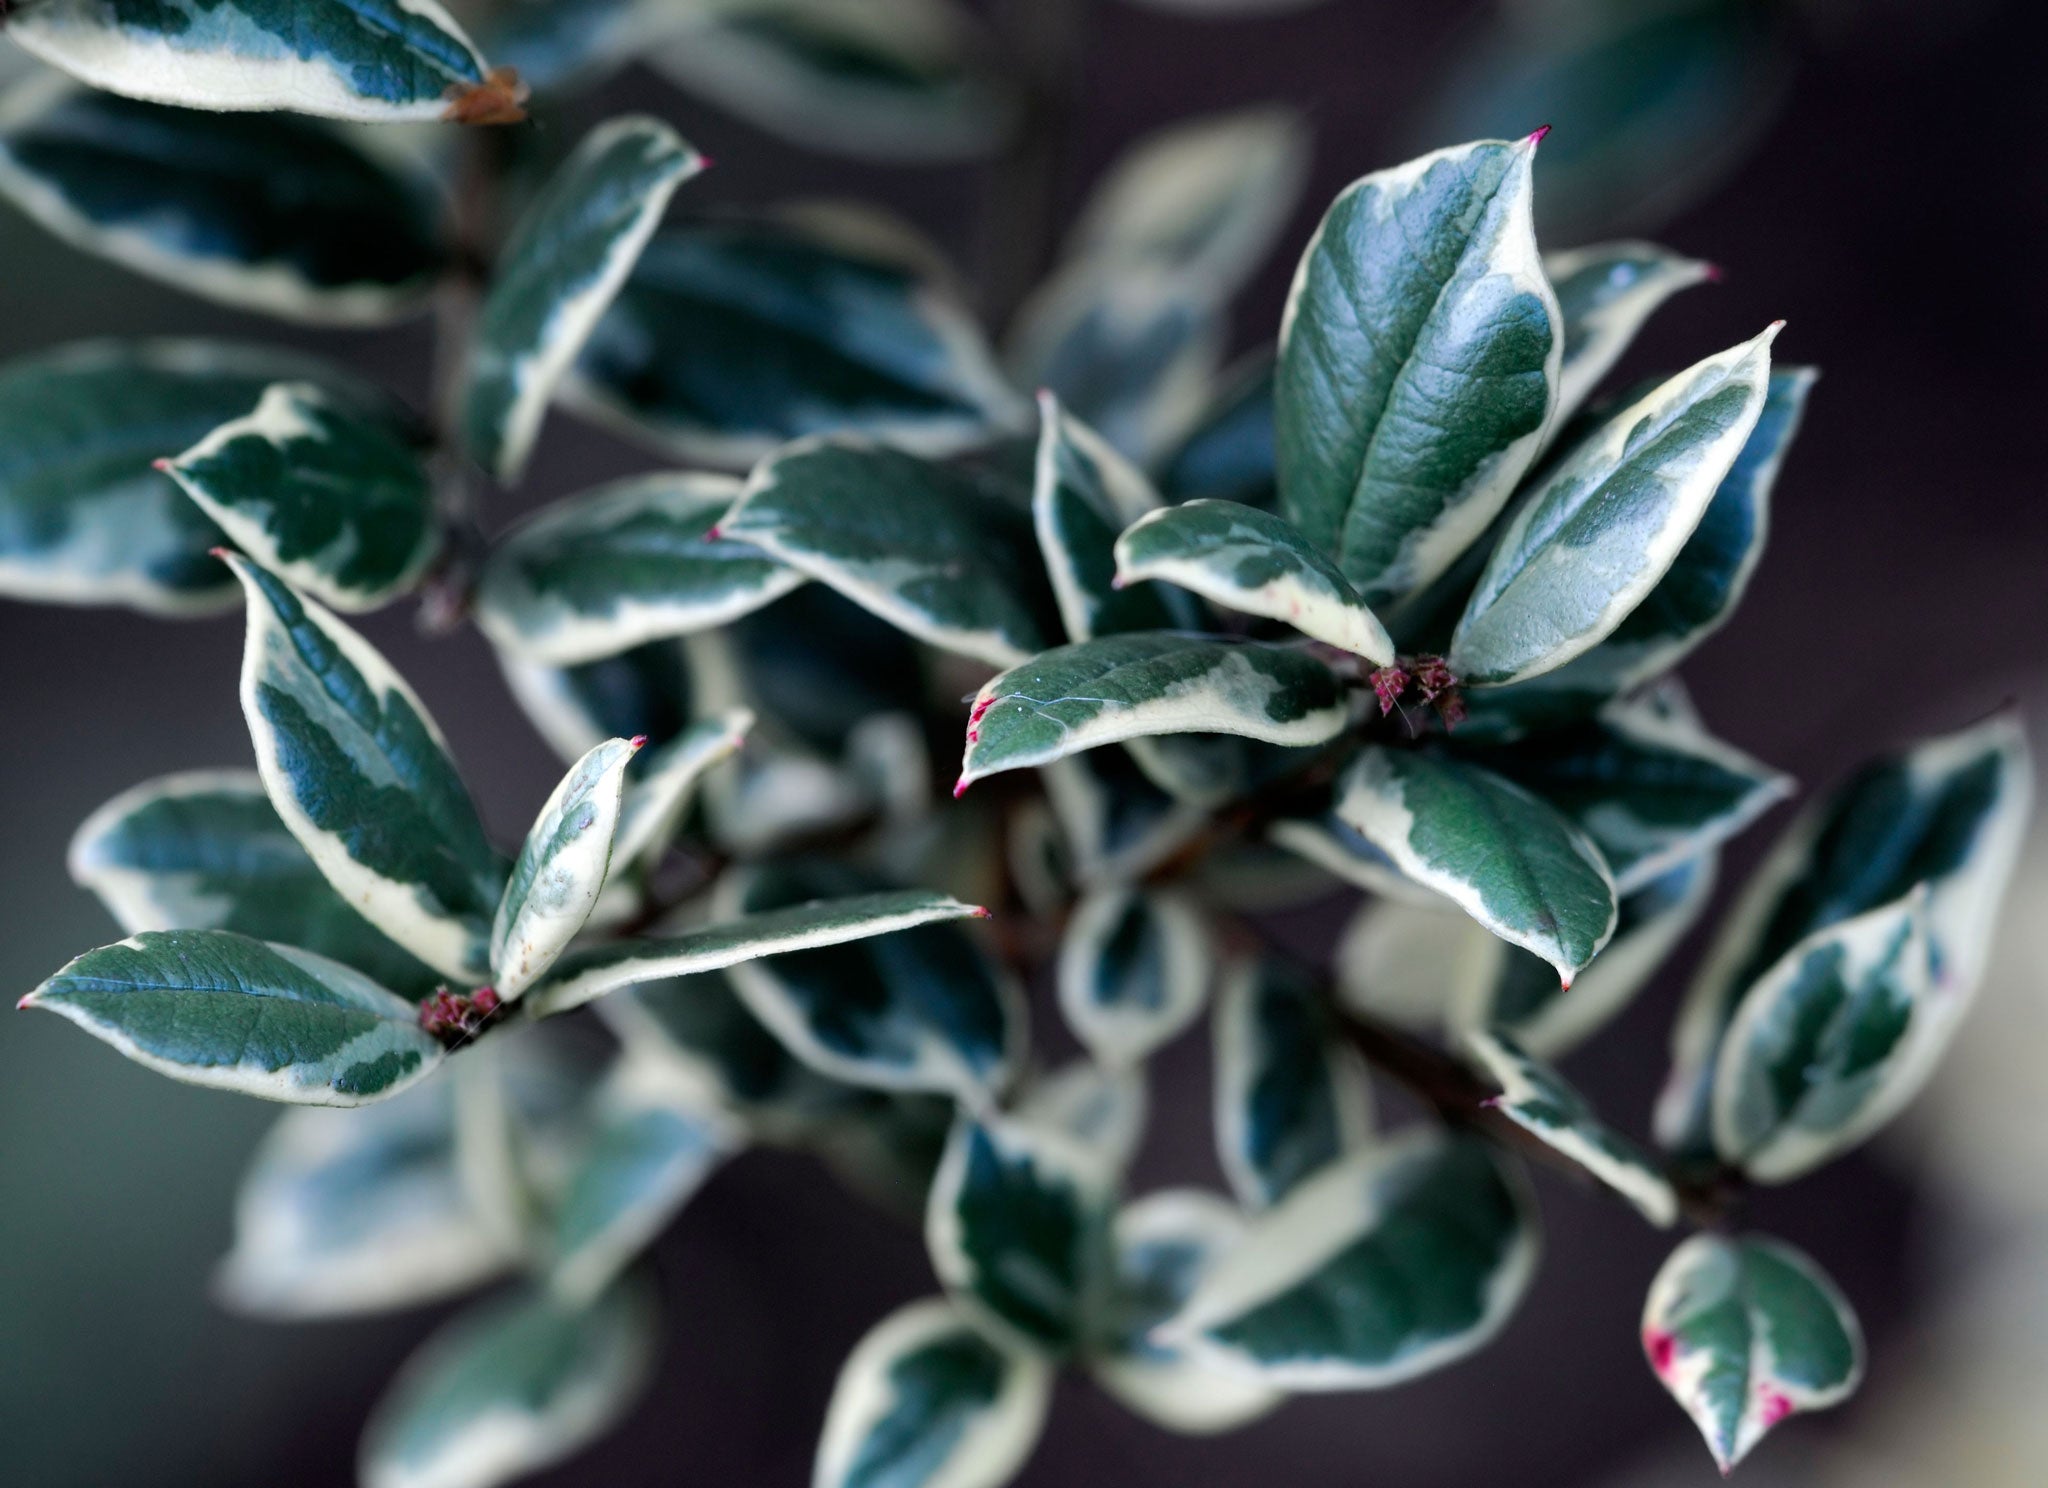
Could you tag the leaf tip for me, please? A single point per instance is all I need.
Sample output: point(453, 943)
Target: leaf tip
point(960, 786)
point(712, 533)
point(980, 912)
point(637, 743)
point(1713, 273)
point(164, 463)
point(1537, 135)
point(26, 1002)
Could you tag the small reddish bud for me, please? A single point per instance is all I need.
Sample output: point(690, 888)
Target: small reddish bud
point(1388, 683)
point(499, 99)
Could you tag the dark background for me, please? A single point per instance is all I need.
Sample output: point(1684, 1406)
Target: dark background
point(1894, 212)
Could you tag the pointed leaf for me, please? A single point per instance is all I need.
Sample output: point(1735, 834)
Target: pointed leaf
point(374, 61)
point(1133, 971)
point(620, 566)
point(561, 868)
point(1508, 860)
point(508, 1389)
point(1385, 1266)
point(1540, 1101)
point(1166, 1243)
point(918, 543)
point(1592, 541)
point(927, 1400)
point(361, 776)
point(1745, 1332)
point(564, 265)
point(1103, 1109)
point(1419, 364)
point(1257, 564)
point(1290, 1099)
point(1132, 686)
point(275, 214)
point(1605, 293)
point(208, 1007)
point(336, 503)
point(1019, 1229)
point(656, 802)
point(647, 690)
point(731, 339)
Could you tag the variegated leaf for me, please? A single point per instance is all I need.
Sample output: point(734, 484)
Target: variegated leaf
point(1419, 361)
point(657, 799)
point(1117, 824)
point(1595, 537)
point(928, 1400)
point(510, 1388)
point(1334, 845)
point(730, 339)
point(920, 544)
point(1384, 1266)
point(1540, 1101)
point(1605, 293)
point(1514, 864)
point(361, 776)
point(565, 263)
point(337, 503)
point(1083, 494)
point(206, 851)
point(356, 1212)
point(280, 215)
point(1103, 1108)
point(1256, 563)
point(1018, 1225)
point(891, 80)
point(1166, 1244)
point(1947, 814)
point(647, 690)
point(584, 975)
point(1650, 792)
point(1134, 686)
point(563, 44)
point(651, 1146)
point(1745, 1332)
point(561, 868)
point(620, 566)
point(83, 517)
point(374, 61)
point(1134, 971)
point(921, 1010)
point(1290, 1099)
point(1228, 453)
point(209, 1007)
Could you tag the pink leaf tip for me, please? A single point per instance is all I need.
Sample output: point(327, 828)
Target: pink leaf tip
point(1537, 135)
point(960, 787)
point(981, 912)
point(1714, 273)
point(637, 743)
point(223, 552)
point(28, 1000)
point(163, 464)
point(713, 533)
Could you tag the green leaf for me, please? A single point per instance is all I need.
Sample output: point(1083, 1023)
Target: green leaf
point(1384, 1266)
point(510, 1388)
point(1948, 813)
point(651, 1146)
point(1511, 862)
point(561, 868)
point(584, 975)
point(1134, 686)
point(656, 802)
point(1605, 293)
point(617, 567)
point(1711, 572)
point(647, 690)
point(1289, 1099)
point(373, 61)
point(1083, 494)
point(927, 1400)
point(1596, 536)
point(361, 776)
point(1103, 1108)
point(335, 502)
point(1133, 971)
point(920, 544)
point(563, 44)
point(1019, 1229)
point(923, 1010)
point(888, 80)
point(1334, 845)
point(349, 1213)
point(277, 214)
point(1207, 197)
point(1256, 563)
point(1745, 1332)
point(1228, 453)
point(1651, 792)
point(83, 517)
point(1419, 363)
point(1166, 1244)
point(562, 268)
point(1540, 1101)
point(733, 338)
point(208, 1007)
point(1116, 823)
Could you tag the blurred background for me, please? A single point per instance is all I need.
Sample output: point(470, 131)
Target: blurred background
point(1871, 170)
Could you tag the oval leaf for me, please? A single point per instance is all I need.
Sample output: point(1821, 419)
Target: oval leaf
point(1133, 971)
point(1605, 293)
point(208, 1007)
point(563, 266)
point(1419, 360)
